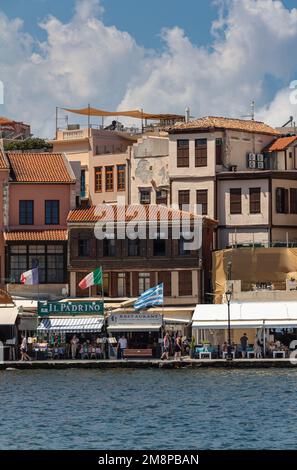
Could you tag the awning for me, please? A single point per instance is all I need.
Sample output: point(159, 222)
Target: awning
point(8, 316)
point(134, 327)
point(71, 325)
point(246, 315)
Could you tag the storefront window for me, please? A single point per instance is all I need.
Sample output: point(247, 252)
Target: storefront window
point(121, 284)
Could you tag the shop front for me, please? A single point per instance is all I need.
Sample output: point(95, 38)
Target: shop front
point(69, 330)
point(142, 333)
point(8, 332)
point(270, 328)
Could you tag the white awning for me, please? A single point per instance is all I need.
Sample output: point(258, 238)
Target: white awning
point(8, 316)
point(134, 327)
point(71, 325)
point(246, 315)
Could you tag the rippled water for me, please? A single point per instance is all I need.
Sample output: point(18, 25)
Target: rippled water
point(148, 409)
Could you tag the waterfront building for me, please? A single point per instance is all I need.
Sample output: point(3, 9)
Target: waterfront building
point(240, 173)
point(41, 191)
point(132, 266)
point(11, 130)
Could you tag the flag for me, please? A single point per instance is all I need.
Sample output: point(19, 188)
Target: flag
point(30, 277)
point(92, 279)
point(150, 297)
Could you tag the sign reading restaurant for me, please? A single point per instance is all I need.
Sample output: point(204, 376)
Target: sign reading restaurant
point(139, 318)
point(70, 308)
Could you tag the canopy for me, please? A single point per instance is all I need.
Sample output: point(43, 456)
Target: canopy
point(133, 113)
point(246, 315)
point(71, 325)
point(8, 316)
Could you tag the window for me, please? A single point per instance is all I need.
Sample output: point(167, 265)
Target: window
point(26, 212)
point(55, 263)
point(83, 183)
point(182, 153)
point(200, 152)
point(144, 196)
point(143, 282)
point(165, 277)
point(184, 199)
point(255, 200)
point(121, 287)
point(235, 201)
point(52, 212)
point(109, 247)
point(161, 197)
point(201, 201)
point(121, 177)
point(219, 151)
point(185, 283)
point(109, 178)
point(98, 179)
point(18, 262)
point(293, 201)
point(282, 200)
point(84, 247)
point(159, 247)
point(134, 247)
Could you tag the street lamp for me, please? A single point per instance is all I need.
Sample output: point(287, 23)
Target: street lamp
point(228, 295)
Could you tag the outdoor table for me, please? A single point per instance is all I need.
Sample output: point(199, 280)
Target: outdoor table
point(204, 353)
point(249, 354)
point(225, 354)
point(275, 353)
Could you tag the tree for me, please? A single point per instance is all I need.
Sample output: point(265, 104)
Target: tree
point(28, 144)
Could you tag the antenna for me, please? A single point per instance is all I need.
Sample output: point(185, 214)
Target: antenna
point(252, 114)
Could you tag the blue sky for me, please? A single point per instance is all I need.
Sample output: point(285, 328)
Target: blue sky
point(159, 55)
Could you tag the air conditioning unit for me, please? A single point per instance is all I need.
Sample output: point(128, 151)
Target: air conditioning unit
point(260, 157)
point(252, 156)
point(252, 164)
point(260, 165)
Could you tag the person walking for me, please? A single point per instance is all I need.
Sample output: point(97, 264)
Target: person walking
point(122, 346)
point(177, 348)
point(166, 346)
point(74, 344)
point(244, 341)
point(24, 349)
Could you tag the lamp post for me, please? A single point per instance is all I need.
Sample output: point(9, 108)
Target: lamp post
point(228, 294)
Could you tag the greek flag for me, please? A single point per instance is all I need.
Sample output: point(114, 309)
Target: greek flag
point(150, 297)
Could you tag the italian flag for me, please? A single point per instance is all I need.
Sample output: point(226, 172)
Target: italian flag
point(92, 279)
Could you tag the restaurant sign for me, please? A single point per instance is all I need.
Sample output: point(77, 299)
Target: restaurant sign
point(135, 318)
point(70, 308)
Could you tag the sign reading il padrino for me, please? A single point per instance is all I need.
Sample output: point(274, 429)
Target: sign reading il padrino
point(70, 308)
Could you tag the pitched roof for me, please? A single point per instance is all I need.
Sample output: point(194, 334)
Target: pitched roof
point(40, 168)
point(136, 212)
point(282, 143)
point(212, 122)
point(36, 235)
point(3, 161)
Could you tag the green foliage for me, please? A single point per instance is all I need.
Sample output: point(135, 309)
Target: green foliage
point(28, 144)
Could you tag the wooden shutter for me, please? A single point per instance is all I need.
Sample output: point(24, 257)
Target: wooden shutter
point(128, 284)
point(135, 285)
point(114, 284)
point(165, 277)
point(293, 200)
point(235, 200)
point(255, 200)
point(185, 283)
point(201, 198)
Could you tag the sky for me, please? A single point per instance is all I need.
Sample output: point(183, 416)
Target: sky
point(161, 55)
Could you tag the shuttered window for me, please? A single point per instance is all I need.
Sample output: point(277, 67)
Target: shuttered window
point(185, 283)
point(282, 200)
point(200, 152)
point(219, 151)
point(98, 179)
point(255, 200)
point(293, 200)
point(183, 198)
point(182, 153)
point(235, 201)
point(165, 277)
point(201, 200)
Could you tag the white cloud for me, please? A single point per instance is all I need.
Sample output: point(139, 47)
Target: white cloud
point(86, 61)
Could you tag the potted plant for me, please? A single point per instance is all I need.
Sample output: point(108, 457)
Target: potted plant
point(206, 344)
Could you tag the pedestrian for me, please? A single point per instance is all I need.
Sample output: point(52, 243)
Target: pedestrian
point(177, 348)
point(244, 341)
point(166, 345)
point(122, 345)
point(257, 348)
point(24, 349)
point(74, 344)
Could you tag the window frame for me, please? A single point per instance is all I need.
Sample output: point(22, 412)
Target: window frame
point(98, 172)
point(235, 192)
point(51, 209)
point(200, 153)
point(204, 204)
point(121, 175)
point(109, 176)
point(255, 205)
point(182, 153)
point(31, 222)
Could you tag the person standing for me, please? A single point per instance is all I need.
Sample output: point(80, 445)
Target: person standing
point(166, 346)
point(74, 343)
point(177, 348)
point(24, 349)
point(244, 341)
point(122, 346)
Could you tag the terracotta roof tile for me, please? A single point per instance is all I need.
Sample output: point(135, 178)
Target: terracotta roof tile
point(3, 161)
point(212, 122)
point(40, 168)
point(280, 144)
point(36, 235)
point(137, 212)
